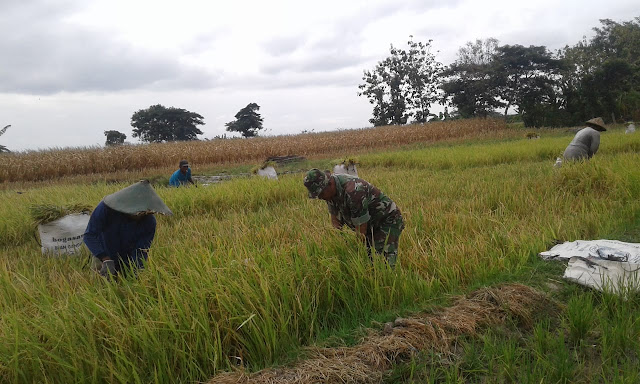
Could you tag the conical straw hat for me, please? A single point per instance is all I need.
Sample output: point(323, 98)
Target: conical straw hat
point(597, 123)
point(137, 198)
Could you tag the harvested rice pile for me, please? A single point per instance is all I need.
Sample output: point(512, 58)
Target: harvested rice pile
point(399, 340)
point(43, 214)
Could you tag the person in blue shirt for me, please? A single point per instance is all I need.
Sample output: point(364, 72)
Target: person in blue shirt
point(122, 227)
point(182, 176)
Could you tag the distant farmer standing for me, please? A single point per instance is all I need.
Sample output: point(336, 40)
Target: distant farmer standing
point(182, 176)
point(362, 207)
point(122, 227)
point(586, 142)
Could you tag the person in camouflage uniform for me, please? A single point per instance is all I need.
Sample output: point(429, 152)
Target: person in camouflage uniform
point(362, 207)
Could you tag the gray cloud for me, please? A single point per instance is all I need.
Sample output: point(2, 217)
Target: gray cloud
point(338, 49)
point(41, 54)
point(283, 45)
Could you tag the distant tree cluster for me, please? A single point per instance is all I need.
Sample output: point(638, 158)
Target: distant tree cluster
point(158, 124)
point(114, 138)
point(596, 77)
point(403, 86)
point(248, 121)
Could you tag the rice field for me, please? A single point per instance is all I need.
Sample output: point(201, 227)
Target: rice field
point(248, 272)
point(57, 163)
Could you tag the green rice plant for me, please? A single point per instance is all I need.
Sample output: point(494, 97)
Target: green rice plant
point(249, 271)
point(581, 316)
point(620, 328)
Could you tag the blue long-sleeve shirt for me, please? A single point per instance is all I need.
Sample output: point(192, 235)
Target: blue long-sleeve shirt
point(178, 178)
point(119, 236)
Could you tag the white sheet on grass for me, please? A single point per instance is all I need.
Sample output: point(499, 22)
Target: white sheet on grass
point(610, 265)
point(602, 249)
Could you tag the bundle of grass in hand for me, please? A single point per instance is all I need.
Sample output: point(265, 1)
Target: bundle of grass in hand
point(46, 213)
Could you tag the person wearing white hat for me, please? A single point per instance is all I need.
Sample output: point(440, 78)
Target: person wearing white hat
point(586, 142)
point(122, 227)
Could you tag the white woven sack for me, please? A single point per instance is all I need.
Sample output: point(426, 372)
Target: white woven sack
point(341, 169)
point(268, 172)
point(63, 236)
point(604, 275)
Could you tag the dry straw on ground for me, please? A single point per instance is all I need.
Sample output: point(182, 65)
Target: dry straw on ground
point(398, 341)
point(53, 164)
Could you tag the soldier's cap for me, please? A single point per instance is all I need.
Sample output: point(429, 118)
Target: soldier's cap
point(597, 123)
point(136, 199)
point(316, 181)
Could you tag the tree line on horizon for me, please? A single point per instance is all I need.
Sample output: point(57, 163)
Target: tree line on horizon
point(595, 77)
point(599, 76)
point(158, 124)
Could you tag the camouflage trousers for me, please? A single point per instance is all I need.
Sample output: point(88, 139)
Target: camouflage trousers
point(383, 238)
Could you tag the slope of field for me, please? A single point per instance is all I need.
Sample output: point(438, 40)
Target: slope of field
point(247, 272)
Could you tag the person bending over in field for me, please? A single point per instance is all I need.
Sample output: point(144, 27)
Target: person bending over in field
point(122, 227)
point(182, 176)
point(586, 142)
point(362, 207)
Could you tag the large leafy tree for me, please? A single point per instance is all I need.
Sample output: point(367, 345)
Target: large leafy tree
point(521, 70)
point(248, 121)
point(402, 86)
point(158, 124)
point(469, 83)
point(2, 147)
point(601, 76)
point(114, 138)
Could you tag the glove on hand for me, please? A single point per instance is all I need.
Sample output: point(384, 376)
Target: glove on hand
point(108, 268)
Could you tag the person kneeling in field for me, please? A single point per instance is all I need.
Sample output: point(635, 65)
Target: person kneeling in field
point(182, 176)
point(586, 142)
point(122, 227)
point(362, 207)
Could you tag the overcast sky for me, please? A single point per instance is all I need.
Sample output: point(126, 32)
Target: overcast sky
point(71, 69)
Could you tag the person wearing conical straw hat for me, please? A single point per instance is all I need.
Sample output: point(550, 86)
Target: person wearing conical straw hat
point(122, 227)
point(362, 207)
point(586, 142)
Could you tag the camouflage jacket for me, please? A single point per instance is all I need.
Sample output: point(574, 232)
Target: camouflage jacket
point(357, 202)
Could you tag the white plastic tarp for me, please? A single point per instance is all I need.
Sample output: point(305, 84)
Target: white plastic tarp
point(610, 265)
point(63, 236)
point(268, 172)
point(342, 169)
point(602, 249)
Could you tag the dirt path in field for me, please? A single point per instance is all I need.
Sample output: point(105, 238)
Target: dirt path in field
point(398, 341)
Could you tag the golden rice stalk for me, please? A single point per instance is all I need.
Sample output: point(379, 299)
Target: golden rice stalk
point(46, 213)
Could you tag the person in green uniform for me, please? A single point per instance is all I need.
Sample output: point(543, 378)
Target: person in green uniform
point(362, 207)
